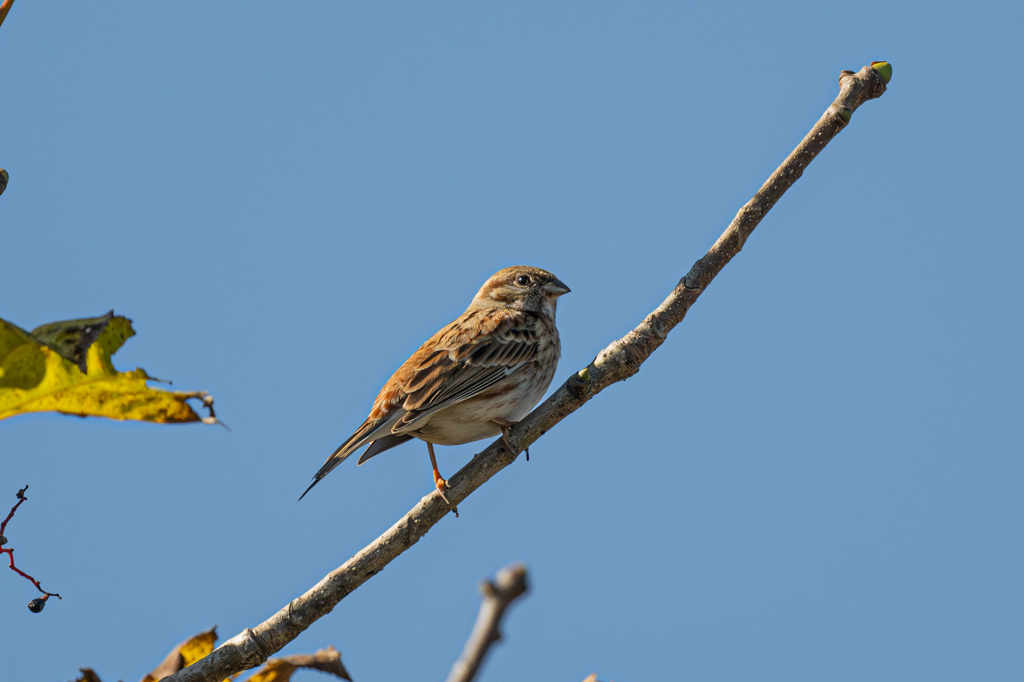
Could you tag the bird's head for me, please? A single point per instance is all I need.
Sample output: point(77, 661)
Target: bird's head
point(522, 287)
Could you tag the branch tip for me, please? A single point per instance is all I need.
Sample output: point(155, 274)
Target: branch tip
point(498, 594)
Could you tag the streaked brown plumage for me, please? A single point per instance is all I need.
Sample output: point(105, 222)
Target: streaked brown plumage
point(473, 379)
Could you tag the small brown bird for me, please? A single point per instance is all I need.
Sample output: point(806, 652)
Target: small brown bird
point(475, 378)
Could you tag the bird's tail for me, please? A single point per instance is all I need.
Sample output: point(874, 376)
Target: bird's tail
point(332, 461)
point(369, 432)
point(355, 441)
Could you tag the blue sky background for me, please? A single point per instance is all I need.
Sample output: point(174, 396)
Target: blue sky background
point(818, 476)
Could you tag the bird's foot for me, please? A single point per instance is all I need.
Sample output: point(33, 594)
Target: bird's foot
point(506, 426)
point(439, 482)
point(442, 484)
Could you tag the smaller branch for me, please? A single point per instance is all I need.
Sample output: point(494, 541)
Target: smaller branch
point(5, 7)
point(23, 574)
point(508, 585)
point(208, 404)
point(10, 552)
point(21, 498)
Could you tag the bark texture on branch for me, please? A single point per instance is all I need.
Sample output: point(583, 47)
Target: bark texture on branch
point(508, 585)
point(619, 361)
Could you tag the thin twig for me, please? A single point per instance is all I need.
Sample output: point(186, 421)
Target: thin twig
point(617, 362)
point(10, 551)
point(5, 7)
point(508, 585)
point(10, 515)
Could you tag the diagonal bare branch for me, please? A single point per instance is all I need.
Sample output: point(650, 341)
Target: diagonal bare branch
point(619, 361)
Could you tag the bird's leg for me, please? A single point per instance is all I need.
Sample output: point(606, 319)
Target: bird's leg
point(505, 426)
point(440, 483)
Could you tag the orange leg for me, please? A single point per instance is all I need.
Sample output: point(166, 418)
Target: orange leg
point(439, 482)
point(505, 426)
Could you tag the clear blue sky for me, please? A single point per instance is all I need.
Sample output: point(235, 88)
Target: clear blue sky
point(817, 477)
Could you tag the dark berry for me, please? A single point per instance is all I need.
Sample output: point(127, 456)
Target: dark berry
point(36, 605)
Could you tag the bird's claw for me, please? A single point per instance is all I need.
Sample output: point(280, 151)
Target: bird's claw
point(506, 427)
point(442, 484)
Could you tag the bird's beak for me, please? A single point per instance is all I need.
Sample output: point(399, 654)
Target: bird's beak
point(556, 287)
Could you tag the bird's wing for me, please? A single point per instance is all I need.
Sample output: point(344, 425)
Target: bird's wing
point(472, 354)
point(460, 368)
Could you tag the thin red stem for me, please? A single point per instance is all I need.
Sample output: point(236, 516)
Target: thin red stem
point(10, 551)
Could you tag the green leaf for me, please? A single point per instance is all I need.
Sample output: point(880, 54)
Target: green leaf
point(72, 338)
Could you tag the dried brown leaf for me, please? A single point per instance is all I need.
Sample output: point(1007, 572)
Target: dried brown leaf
point(280, 669)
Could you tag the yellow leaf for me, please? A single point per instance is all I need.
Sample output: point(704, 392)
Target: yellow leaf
point(185, 654)
point(197, 647)
point(66, 367)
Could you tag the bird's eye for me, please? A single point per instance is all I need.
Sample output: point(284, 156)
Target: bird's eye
point(522, 280)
